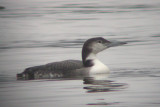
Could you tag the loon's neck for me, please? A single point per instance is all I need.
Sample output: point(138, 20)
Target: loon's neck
point(96, 66)
point(88, 59)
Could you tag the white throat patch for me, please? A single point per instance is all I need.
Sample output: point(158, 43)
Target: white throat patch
point(98, 67)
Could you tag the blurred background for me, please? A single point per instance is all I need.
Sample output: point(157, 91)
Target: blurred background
point(35, 32)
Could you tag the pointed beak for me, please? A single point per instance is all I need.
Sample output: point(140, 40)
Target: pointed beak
point(115, 43)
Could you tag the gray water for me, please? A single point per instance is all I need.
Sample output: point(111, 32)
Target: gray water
point(35, 32)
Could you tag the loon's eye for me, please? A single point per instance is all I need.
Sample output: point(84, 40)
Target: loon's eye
point(99, 41)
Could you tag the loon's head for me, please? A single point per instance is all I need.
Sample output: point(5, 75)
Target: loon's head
point(95, 45)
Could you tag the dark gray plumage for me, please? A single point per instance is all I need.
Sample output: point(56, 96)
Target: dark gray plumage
point(52, 70)
point(72, 68)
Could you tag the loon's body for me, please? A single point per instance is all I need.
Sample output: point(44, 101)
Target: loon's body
point(70, 68)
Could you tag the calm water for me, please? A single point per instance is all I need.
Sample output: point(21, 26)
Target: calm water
point(35, 32)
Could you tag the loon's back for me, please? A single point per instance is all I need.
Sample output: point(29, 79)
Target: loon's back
point(65, 68)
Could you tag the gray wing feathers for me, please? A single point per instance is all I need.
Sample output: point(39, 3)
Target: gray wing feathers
point(51, 70)
point(66, 65)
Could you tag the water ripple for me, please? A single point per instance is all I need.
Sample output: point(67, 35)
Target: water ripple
point(37, 44)
point(152, 72)
point(38, 11)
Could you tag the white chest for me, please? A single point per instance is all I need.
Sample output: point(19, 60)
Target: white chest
point(98, 67)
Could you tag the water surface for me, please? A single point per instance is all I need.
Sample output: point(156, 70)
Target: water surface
point(42, 31)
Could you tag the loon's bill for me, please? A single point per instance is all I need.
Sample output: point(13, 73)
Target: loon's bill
point(90, 64)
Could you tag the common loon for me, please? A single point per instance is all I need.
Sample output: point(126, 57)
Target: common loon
point(70, 68)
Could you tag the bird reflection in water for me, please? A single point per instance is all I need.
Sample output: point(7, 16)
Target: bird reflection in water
point(100, 83)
